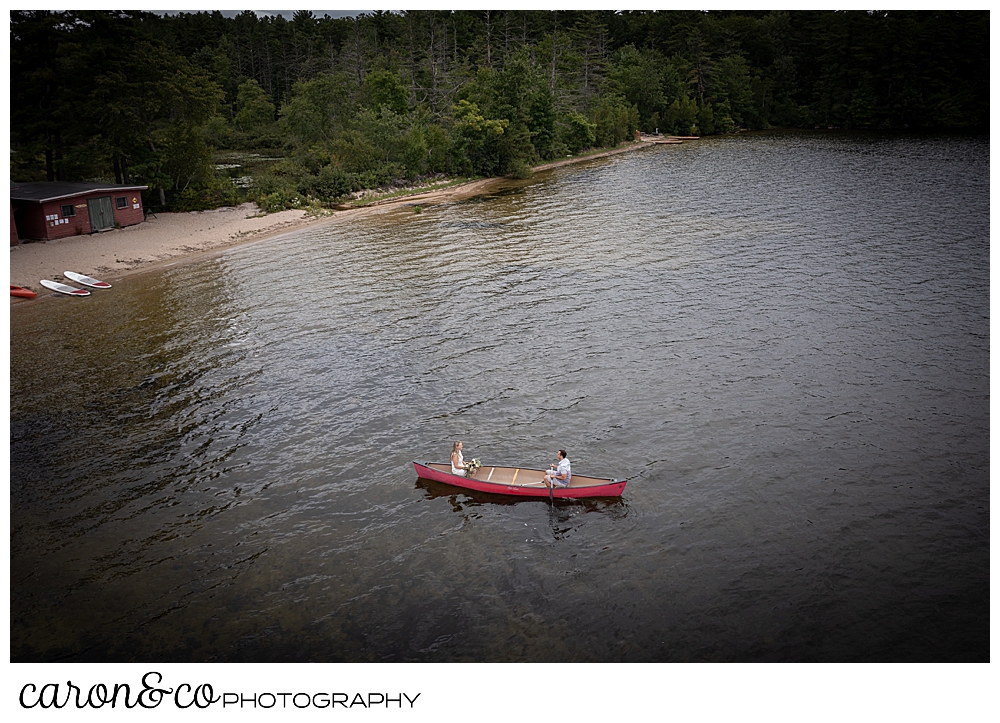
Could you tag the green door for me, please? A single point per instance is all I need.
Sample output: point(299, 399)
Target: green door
point(101, 214)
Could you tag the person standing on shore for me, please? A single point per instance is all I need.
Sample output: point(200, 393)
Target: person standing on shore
point(561, 474)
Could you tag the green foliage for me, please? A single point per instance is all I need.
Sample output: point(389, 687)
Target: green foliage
point(615, 121)
point(217, 132)
point(319, 108)
point(329, 185)
point(542, 122)
point(640, 79)
point(211, 192)
point(706, 120)
point(280, 200)
point(414, 153)
point(185, 157)
point(476, 140)
point(576, 132)
point(355, 152)
point(384, 89)
point(385, 137)
point(439, 149)
point(681, 117)
point(721, 120)
point(862, 108)
point(519, 169)
point(381, 98)
point(731, 86)
point(254, 110)
point(517, 102)
point(469, 121)
point(378, 176)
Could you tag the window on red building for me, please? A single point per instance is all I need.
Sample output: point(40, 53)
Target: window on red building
point(68, 210)
point(121, 202)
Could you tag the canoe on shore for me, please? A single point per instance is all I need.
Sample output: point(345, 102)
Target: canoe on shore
point(22, 292)
point(520, 481)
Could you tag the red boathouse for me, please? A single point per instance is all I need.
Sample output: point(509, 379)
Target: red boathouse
point(47, 210)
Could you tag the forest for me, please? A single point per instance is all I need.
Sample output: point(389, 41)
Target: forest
point(339, 105)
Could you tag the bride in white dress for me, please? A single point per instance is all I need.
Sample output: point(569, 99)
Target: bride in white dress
point(457, 461)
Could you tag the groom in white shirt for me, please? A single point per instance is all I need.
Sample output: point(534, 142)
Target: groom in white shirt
point(562, 473)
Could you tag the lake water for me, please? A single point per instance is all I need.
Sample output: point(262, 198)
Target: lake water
point(782, 339)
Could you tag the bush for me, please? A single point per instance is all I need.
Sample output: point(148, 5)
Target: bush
point(217, 132)
point(328, 185)
point(266, 184)
point(615, 121)
point(382, 175)
point(200, 196)
point(680, 116)
point(519, 169)
point(280, 201)
point(724, 124)
point(576, 133)
point(706, 120)
point(277, 189)
point(438, 149)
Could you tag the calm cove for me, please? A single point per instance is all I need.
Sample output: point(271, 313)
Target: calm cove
point(782, 339)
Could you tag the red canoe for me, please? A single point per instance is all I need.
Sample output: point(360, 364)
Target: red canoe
point(22, 292)
point(519, 482)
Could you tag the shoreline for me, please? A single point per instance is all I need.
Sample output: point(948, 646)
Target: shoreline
point(181, 237)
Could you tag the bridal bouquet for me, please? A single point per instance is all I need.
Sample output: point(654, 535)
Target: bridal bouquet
point(472, 467)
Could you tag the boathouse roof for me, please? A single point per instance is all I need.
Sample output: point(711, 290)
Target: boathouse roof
point(42, 191)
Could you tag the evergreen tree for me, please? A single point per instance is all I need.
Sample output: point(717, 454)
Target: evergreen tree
point(137, 97)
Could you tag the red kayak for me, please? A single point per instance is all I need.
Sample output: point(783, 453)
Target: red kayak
point(520, 482)
point(22, 292)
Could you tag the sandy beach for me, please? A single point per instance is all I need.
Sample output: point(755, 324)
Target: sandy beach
point(168, 237)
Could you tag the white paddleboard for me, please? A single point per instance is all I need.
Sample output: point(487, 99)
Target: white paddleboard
point(63, 289)
point(86, 280)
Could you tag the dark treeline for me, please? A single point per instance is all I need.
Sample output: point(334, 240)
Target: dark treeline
point(360, 102)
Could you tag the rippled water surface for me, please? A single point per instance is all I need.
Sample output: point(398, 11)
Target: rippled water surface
point(782, 339)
